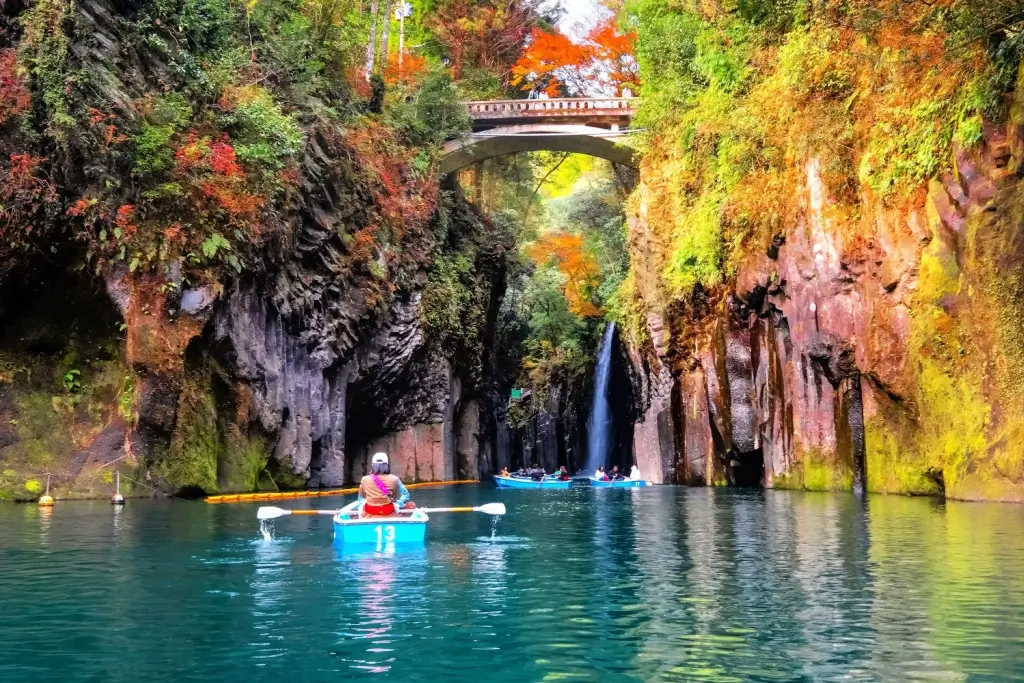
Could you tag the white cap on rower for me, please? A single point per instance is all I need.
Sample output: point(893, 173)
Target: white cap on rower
point(381, 458)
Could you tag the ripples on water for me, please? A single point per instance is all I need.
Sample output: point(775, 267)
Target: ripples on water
point(649, 585)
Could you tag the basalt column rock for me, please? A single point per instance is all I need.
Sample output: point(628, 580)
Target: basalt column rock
point(655, 433)
point(469, 441)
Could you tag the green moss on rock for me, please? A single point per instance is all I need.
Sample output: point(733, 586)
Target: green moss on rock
point(191, 461)
point(960, 433)
point(816, 470)
point(242, 461)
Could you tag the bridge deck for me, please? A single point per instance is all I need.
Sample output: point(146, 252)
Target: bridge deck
point(607, 110)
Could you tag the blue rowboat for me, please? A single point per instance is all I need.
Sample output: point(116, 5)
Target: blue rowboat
point(380, 533)
point(619, 484)
point(521, 483)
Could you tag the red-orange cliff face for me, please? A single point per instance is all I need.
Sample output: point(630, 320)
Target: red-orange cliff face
point(878, 351)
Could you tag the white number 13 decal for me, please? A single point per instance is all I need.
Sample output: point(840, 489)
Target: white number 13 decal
point(385, 534)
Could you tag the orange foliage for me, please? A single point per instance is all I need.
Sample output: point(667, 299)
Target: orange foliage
point(409, 73)
point(363, 245)
point(232, 96)
point(108, 130)
point(124, 220)
point(217, 175)
point(14, 97)
point(80, 207)
point(234, 201)
point(614, 53)
point(581, 271)
point(222, 159)
point(402, 199)
point(356, 80)
point(554, 61)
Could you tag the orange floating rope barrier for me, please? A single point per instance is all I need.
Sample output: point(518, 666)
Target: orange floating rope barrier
point(289, 495)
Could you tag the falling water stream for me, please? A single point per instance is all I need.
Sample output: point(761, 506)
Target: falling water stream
point(599, 425)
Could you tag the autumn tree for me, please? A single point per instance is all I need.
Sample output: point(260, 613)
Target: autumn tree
point(602, 61)
point(483, 34)
point(581, 271)
point(551, 63)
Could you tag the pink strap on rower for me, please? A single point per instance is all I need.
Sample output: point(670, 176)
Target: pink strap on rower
point(381, 485)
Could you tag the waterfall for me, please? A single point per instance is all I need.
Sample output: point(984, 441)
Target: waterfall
point(599, 425)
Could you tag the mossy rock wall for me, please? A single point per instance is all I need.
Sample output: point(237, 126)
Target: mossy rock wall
point(962, 430)
point(214, 449)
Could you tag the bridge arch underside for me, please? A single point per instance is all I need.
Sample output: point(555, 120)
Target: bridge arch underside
point(596, 142)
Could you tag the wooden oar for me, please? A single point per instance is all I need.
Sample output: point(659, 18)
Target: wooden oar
point(274, 513)
point(488, 509)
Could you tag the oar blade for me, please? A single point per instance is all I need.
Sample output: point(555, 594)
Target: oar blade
point(267, 512)
point(492, 508)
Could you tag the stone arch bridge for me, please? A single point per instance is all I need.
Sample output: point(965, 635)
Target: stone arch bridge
point(594, 126)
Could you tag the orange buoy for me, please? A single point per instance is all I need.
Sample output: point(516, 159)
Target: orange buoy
point(117, 498)
point(46, 500)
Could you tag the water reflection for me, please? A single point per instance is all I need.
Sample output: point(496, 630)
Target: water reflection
point(658, 584)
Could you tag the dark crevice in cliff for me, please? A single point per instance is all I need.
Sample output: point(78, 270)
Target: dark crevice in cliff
point(854, 404)
point(746, 470)
point(623, 406)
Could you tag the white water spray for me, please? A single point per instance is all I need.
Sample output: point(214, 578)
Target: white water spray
point(599, 425)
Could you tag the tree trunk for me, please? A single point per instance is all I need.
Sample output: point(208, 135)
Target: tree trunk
point(384, 35)
point(371, 44)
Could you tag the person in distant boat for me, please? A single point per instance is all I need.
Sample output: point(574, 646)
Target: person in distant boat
point(537, 472)
point(563, 474)
point(614, 475)
point(521, 472)
point(504, 472)
point(600, 475)
point(383, 493)
point(634, 473)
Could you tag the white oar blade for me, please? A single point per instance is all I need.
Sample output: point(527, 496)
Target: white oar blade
point(492, 509)
point(271, 513)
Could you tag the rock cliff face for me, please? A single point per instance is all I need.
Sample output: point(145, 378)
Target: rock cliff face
point(876, 352)
point(291, 378)
point(557, 434)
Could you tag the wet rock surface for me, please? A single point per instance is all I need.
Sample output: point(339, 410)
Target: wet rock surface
point(852, 356)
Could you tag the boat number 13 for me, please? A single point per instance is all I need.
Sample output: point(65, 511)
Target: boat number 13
point(385, 534)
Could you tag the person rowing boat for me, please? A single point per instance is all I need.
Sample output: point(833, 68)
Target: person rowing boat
point(383, 493)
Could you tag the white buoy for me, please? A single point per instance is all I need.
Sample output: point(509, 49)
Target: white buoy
point(46, 500)
point(117, 498)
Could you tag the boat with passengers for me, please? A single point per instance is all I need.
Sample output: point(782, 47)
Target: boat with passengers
point(550, 481)
point(619, 483)
point(405, 527)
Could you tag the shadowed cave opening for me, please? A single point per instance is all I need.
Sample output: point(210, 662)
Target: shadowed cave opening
point(747, 469)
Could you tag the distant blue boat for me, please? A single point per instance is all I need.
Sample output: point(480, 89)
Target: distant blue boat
point(379, 533)
point(619, 483)
point(548, 482)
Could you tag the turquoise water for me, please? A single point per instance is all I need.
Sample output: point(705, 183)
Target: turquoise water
point(583, 585)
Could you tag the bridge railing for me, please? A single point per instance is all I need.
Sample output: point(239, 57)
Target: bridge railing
point(561, 106)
